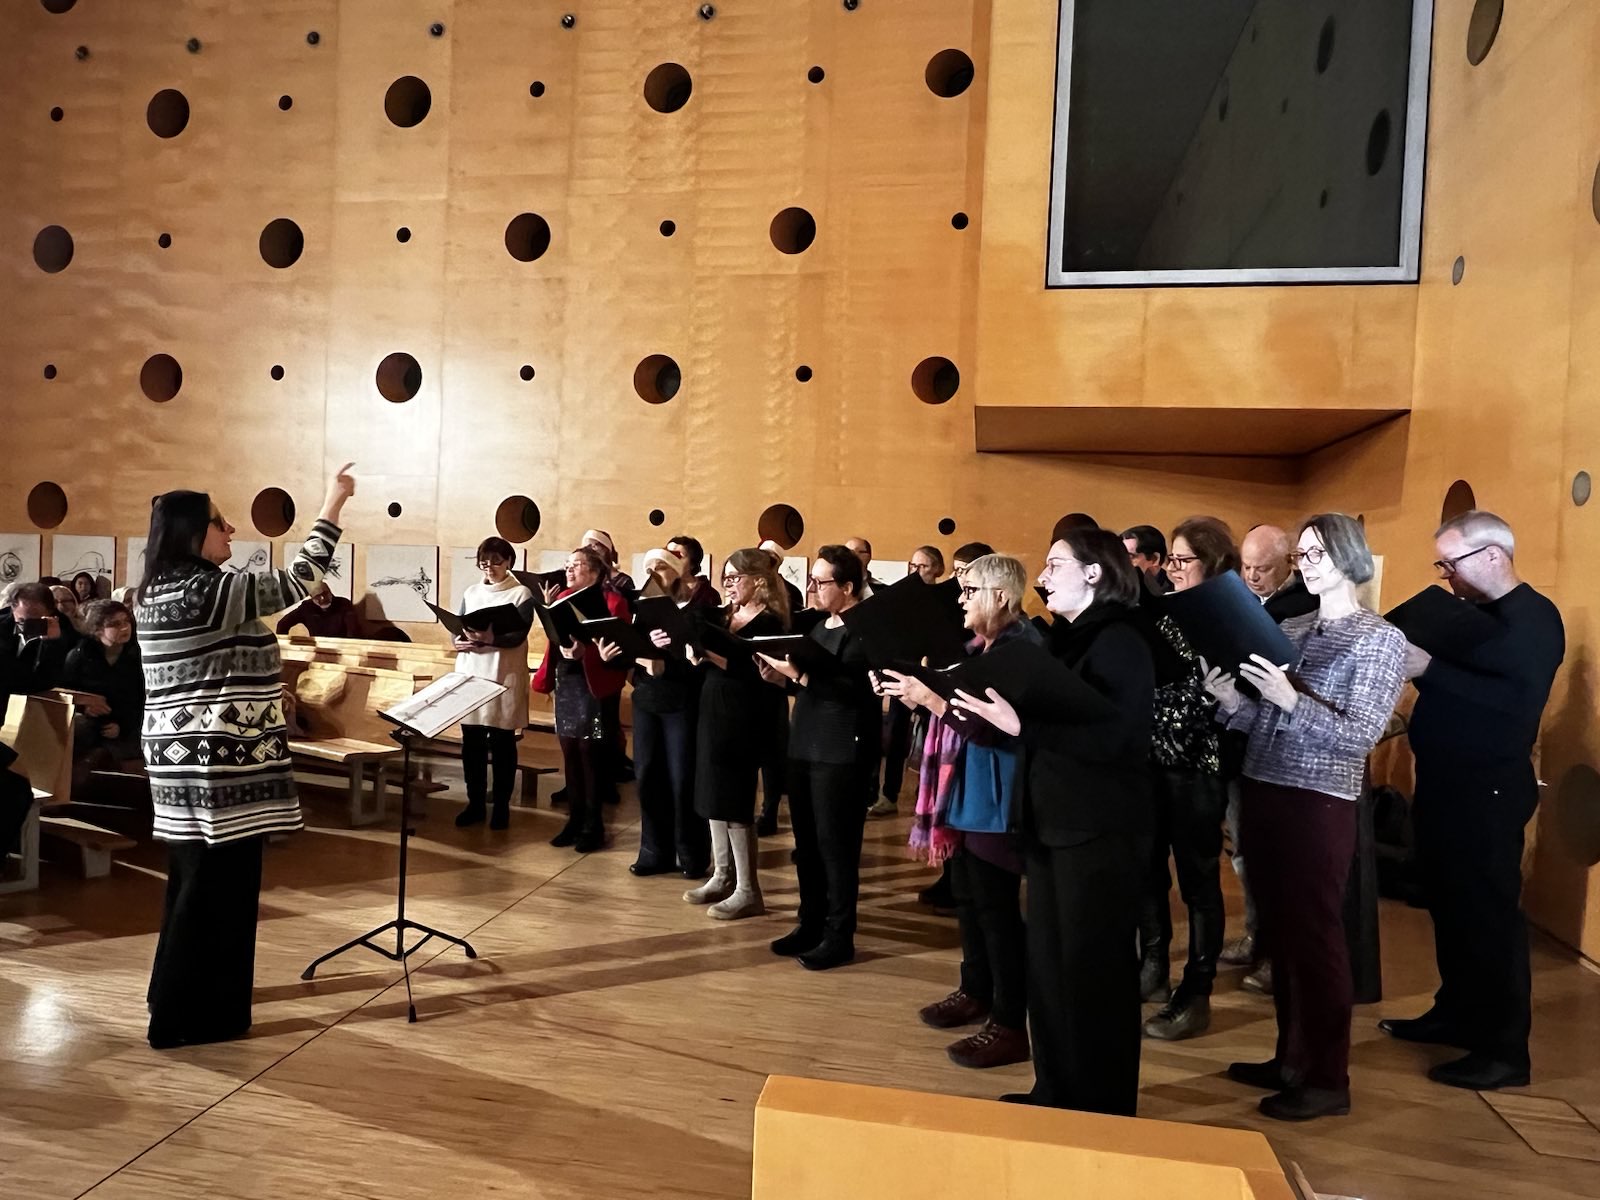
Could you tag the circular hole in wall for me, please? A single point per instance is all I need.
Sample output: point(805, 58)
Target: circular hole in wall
point(1483, 28)
point(272, 512)
point(1458, 269)
point(50, 370)
point(313, 38)
point(1378, 142)
point(657, 379)
point(793, 230)
point(949, 73)
point(402, 235)
point(527, 237)
point(947, 525)
point(164, 240)
point(57, 6)
point(285, 103)
point(816, 75)
point(781, 523)
point(668, 228)
point(282, 243)
point(1457, 500)
point(960, 221)
point(1325, 45)
point(536, 88)
point(668, 87)
point(527, 373)
point(52, 249)
point(1581, 488)
point(657, 517)
point(276, 373)
point(57, 113)
point(517, 519)
point(47, 505)
point(935, 380)
point(803, 373)
point(1594, 194)
point(1577, 814)
point(407, 102)
point(394, 509)
point(399, 377)
point(161, 378)
point(167, 114)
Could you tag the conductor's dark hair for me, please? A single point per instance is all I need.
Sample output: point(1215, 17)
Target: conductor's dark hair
point(692, 549)
point(846, 566)
point(178, 522)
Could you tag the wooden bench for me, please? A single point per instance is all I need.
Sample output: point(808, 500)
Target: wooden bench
point(94, 845)
point(337, 707)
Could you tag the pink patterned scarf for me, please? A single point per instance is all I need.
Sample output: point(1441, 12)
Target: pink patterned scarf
point(936, 777)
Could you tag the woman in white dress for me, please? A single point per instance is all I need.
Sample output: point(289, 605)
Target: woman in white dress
point(490, 734)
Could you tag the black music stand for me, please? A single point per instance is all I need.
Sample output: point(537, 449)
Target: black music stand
point(405, 735)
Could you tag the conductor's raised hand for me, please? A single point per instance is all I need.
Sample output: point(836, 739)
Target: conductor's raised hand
point(1223, 686)
point(996, 710)
point(1272, 681)
point(340, 488)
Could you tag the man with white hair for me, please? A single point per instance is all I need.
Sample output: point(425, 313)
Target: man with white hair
point(1473, 731)
point(1267, 571)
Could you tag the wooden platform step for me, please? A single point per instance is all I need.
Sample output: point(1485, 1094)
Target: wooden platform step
point(94, 845)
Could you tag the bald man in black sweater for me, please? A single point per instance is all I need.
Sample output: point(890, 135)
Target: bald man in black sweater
point(1473, 731)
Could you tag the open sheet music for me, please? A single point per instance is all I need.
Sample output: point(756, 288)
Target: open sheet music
point(443, 703)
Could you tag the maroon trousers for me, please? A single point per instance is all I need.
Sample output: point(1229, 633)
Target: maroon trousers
point(1298, 844)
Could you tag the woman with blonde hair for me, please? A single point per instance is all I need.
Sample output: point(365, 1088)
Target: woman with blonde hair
point(966, 813)
point(738, 713)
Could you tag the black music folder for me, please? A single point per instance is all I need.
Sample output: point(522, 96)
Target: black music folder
point(1443, 624)
point(1225, 623)
point(799, 648)
point(664, 613)
point(1036, 683)
point(635, 643)
point(909, 622)
point(497, 619)
point(537, 581)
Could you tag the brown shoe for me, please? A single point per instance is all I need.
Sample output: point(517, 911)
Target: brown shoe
point(957, 1008)
point(992, 1046)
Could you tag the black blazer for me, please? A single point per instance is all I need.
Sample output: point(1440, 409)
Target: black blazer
point(1086, 780)
point(1291, 600)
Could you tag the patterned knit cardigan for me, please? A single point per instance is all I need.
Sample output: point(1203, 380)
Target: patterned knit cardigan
point(214, 737)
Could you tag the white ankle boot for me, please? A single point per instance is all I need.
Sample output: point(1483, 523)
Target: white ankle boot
point(720, 885)
point(746, 898)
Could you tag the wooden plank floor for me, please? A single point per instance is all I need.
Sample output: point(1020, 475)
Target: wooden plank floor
point(611, 1040)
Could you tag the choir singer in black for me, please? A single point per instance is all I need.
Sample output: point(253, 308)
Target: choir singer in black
point(1472, 731)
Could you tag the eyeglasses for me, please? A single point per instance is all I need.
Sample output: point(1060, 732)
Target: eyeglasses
point(967, 592)
point(821, 583)
point(734, 577)
point(1182, 561)
point(1057, 564)
point(218, 521)
point(1447, 566)
point(485, 563)
point(1313, 556)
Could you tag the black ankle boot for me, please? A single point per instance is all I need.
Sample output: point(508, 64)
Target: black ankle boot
point(1154, 982)
point(829, 953)
point(472, 814)
point(568, 835)
point(591, 839)
point(801, 939)
point(500, 817)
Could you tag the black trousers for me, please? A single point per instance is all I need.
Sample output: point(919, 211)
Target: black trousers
point(663, 753)
point(897, 747)
point(1083, 972)
point(482, 745)
point(16, 800)
point(774, 780)
point(200, 985)
point(825, 806)
point(1469, 830)
point(615, 746)
point(994, 948)
point(587, 764)
point(1190, 807)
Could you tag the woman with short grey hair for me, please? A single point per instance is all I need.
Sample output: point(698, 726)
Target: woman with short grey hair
point(1309, 732)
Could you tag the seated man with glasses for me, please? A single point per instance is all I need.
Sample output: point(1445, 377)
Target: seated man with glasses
point(324, 615)
point(1473, 731)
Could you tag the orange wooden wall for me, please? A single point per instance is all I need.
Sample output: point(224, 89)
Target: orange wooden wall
point(1498, 373)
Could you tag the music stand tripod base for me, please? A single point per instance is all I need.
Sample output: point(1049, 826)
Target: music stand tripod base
point(401, 952)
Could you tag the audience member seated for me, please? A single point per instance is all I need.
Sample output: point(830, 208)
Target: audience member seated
point(68, 609)
point(84, 588)
point(324, 615)
point(106, 665)
point(33, 643)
